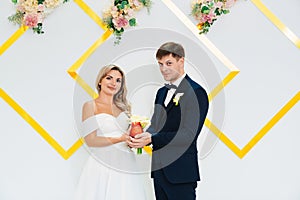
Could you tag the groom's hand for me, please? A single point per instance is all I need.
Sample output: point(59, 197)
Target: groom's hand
point(140, 140)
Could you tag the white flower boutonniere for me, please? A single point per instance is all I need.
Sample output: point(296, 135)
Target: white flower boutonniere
point(177, 98)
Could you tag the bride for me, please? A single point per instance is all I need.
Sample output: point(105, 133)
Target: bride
point(113, 171)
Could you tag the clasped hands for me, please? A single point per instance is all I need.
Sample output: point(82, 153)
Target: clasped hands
point(140, 140)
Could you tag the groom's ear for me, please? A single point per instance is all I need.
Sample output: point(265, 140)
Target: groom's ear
point(181, 60)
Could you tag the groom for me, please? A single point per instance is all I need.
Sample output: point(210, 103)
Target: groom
point(180, 110)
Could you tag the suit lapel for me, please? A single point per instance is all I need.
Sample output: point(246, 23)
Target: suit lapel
point(160, 107)
point(171, 103)
point(162, 97)
point(182, 87)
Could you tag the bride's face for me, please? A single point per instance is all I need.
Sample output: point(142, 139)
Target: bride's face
point(111, 83)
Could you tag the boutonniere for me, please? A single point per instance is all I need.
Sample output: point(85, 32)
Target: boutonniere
point(177, 98)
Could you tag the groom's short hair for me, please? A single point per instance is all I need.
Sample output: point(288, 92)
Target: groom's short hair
point(168, 48)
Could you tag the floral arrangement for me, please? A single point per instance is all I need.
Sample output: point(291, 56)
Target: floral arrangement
point(177, 98)
point(121, 15)
point(138, 123)
point(207, 11)
point(144, 121)
point(32, 13)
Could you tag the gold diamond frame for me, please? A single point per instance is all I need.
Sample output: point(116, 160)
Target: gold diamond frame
point(182, 17)
point(234, 71)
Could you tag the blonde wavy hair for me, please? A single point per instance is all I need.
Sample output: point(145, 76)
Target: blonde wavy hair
point(119, 99)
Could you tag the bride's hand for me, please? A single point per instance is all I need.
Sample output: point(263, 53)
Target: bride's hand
point(140, 140)
point(124, 137)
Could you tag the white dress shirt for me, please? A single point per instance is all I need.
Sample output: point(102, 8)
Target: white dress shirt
point(173, 90)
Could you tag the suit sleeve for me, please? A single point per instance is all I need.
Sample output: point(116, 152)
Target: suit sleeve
point(151, 129)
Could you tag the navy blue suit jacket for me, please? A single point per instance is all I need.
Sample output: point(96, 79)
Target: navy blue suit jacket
point(175, 129)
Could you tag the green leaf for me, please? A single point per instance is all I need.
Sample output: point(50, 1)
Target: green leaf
point(132, 22)
point(16, 18)
point(218, 12)
point(225, 11)
point(124, 3)
point(116, 2)
point(40, 1)
point(205, 10)
point(14, 1)
point(119, 32)
point(211, 4)
point(38, 29)
point(196, 9)
point(146, 3)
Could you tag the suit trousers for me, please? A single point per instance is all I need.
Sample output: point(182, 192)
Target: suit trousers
point(164, 190)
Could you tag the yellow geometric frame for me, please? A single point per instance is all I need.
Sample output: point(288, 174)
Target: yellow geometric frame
point(242, 152)
point(72, 70)
point(64, 153)
point(14, 37)
point(233, 72)
point(276, 21)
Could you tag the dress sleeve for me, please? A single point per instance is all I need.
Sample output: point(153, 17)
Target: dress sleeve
point(89, 125)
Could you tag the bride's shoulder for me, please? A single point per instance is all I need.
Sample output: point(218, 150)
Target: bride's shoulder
point(87, 109)
point(88, 104)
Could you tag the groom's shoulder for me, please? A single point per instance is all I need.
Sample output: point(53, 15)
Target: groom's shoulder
point(193, 83)
point(195, 86)
point(160, 89)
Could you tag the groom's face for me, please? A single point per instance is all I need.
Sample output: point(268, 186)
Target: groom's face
point(171, 68)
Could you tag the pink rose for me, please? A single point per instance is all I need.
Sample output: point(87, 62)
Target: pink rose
point(120, 22)
point(20, 8)
point(114, 12)
point(41, 7)
point(219, 4)
point(31, 20)
point(229, 3)
point(136, 3)
point(209, 17)
point(114, 8)
point(130, 12)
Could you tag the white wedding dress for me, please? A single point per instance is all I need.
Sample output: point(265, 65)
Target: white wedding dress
point(113, 172)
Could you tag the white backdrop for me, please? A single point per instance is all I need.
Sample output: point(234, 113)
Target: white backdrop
point(33, 72)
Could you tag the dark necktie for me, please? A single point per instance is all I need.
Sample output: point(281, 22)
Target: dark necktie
point(169, 86)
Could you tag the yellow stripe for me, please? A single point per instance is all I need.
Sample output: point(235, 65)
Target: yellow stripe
point(72, 70)
point(83, 84)
point(276, 21)
point(187, 22)
point(271, 123)
point(221, 85)
point(234, 70)
point(91, 13)
point(73, 148)
point(12, 39)
point(242, 152)
point(223, 138)
point(85, 56)
point(51, 141)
